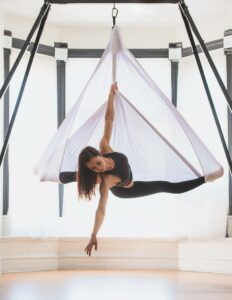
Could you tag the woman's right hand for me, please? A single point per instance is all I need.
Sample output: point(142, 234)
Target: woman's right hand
point(92, 243)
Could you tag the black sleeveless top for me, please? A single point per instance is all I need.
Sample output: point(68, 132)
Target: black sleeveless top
point(121, 167)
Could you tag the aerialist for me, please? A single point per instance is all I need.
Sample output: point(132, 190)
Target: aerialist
point(112, 171)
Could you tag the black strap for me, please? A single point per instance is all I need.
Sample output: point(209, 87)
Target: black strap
point(185, 10)
point(203, 77)
point(43, 10)
point(28, 68)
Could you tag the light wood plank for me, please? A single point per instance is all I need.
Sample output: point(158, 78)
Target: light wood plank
point(101, 285)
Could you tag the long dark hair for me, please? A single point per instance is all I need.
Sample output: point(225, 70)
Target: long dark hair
point(86, 177)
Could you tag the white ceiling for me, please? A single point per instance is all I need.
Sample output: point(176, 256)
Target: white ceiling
point(142, 15)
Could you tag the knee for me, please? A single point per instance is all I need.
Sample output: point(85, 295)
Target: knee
point(118, 192)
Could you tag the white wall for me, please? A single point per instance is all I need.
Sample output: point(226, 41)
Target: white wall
point(96, 36)
point(20, 28)
point(91, 37)
point(134, 37)
point(210, 30)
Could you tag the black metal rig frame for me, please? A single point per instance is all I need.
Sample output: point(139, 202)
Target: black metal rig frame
point(190, 27)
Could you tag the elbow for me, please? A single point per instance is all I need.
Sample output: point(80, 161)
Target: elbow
point(101, 211)
point(109, 118)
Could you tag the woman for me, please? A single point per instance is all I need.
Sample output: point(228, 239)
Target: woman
point(112, 171)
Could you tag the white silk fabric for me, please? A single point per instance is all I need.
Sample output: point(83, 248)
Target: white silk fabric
point(158, 141)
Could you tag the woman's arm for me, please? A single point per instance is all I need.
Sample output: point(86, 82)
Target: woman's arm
point(100, 212)
point(99, 217)
point(109, 119)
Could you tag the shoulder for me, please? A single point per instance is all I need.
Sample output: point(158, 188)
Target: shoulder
point(108, 154)
point(115, 155)
point(120, 155)
point(104, 146)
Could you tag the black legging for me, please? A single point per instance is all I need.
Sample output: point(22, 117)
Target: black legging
point(145, 188)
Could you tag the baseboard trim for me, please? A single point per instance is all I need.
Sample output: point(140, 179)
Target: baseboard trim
point(29, 264)
point(35, 254)
point(117, 263)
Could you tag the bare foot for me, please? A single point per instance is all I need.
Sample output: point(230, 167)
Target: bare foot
point(214, 175)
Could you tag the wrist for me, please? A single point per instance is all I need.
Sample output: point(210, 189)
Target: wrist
point(93, 235)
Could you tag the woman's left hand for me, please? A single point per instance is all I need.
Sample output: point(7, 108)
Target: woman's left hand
point(114, 88)
point(91, 244)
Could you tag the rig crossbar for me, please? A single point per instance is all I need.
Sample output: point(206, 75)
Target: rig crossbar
point(108, 1)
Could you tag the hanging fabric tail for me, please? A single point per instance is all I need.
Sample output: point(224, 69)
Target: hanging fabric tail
point(49, 165)
point(158, 141)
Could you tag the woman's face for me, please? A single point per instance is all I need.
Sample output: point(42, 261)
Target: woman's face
point(97, 164)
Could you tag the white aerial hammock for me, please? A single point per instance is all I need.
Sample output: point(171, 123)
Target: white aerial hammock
point(158, 142)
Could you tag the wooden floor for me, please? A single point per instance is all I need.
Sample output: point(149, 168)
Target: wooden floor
point(112, 285)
